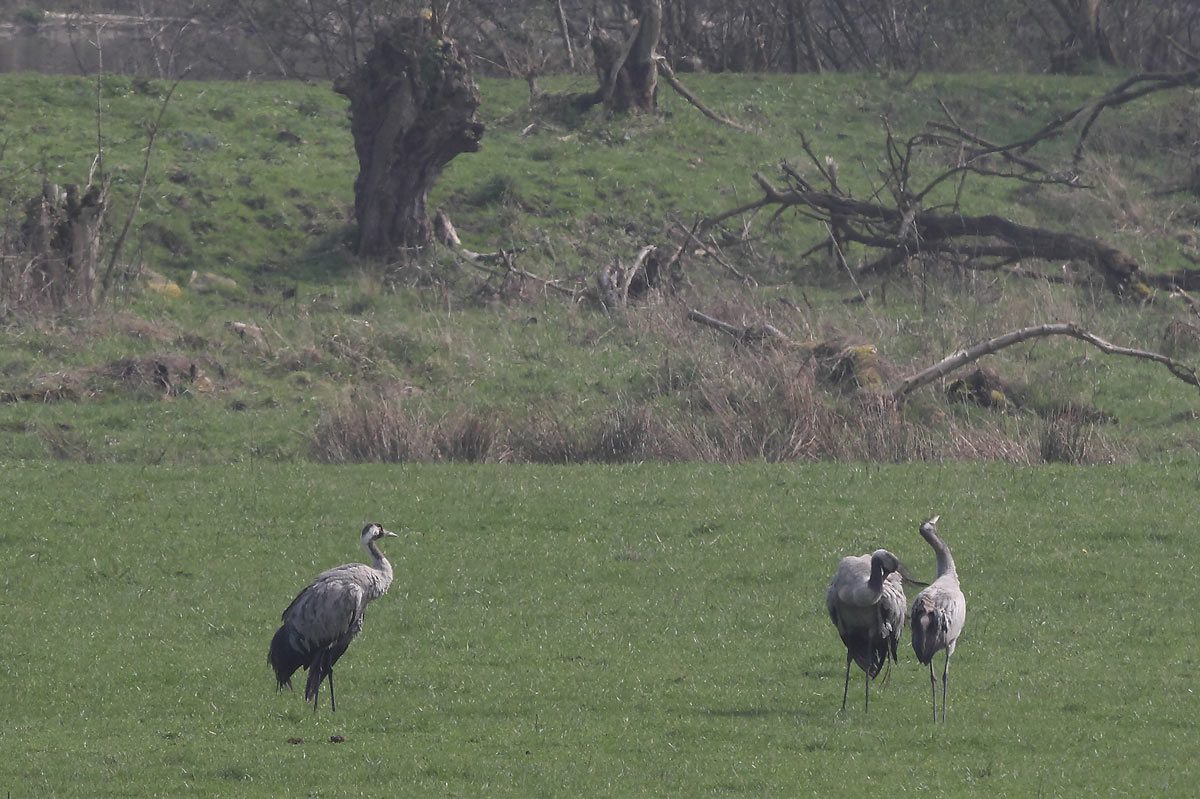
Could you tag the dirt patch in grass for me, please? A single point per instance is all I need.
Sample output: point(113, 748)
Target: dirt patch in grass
point(140, 377)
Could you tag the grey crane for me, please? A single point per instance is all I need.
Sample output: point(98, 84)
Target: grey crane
point(326, 616)
point(866, 603)
point(938, 614)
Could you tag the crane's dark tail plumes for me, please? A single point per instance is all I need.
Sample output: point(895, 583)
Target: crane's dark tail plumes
point(286, 655)
point(871, 656)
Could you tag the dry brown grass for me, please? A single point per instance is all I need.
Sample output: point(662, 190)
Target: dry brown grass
point(714, 399)
point(375, 424)
point(747, 406)
point(1074, 438)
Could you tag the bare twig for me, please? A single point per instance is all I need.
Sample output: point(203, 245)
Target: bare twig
point(141, 189)
point(565, 32)
point(483, 261)
point(713, 253)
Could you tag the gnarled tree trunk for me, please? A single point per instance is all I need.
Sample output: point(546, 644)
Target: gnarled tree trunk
point(53, 260)
point(1086, 40)
point(412, 109)
point(627, 69)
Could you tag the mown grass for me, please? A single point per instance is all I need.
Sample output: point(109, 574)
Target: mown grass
point(594, 631)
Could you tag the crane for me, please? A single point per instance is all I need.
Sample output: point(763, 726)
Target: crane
point(938, 614)
point(326, 616)
point(866, 603)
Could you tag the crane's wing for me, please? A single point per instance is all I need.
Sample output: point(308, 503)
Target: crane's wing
point(326, 611)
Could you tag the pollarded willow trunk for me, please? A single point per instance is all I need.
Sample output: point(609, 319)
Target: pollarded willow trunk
point(412, 110)
point(627, 70)
point(53, 261)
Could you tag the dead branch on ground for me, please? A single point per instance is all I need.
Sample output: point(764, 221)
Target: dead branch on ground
point(974, 353)
point(713, 252)
point(900, 218)
point(757, 334)
point(614, 280)
point(904, 233)
point(669, 75)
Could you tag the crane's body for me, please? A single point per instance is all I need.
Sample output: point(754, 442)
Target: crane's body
point(866, 603)
point(938, 615)
point(327, 615)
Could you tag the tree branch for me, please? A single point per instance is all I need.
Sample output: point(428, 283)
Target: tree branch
point(745, 335)
point(963, 357)
point(669, 74)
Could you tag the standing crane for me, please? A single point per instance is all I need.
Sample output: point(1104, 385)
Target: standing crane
point(326, 616)
point(866, 603)
point(938, 614)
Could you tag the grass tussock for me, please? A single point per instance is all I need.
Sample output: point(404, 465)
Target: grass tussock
point(1073, 438)
point(375, 425)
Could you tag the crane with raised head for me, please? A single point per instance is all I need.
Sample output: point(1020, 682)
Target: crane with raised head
point(866, 603)
point(938, 614)
point(326, 616)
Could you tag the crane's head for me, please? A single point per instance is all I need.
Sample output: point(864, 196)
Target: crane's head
point(374, 532)
point(931, 525)
point(886, 563)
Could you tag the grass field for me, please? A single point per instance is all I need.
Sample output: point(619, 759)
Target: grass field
point(593, 631)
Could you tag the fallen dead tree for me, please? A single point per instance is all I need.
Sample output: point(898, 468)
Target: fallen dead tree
point(903, 234)
point(903, 229)
point(897, 392)
point(906, 217)
point(974, 353)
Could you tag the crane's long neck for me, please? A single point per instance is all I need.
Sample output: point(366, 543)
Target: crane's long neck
point(945, 561)
point(378, 561)
point(875, 582)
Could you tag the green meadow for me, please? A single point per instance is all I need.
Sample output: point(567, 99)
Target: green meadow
point(593, 631)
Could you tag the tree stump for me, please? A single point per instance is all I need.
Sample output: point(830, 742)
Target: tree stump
point(412, 110)
point(55, 255)
point(627, 70)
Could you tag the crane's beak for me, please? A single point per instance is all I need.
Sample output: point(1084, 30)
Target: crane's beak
point(907, 578)
point(390, 534)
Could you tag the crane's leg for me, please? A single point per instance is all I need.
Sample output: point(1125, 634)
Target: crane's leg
point(933, 690)
point(945, 681)
point(846, 690)
point(332, 698)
